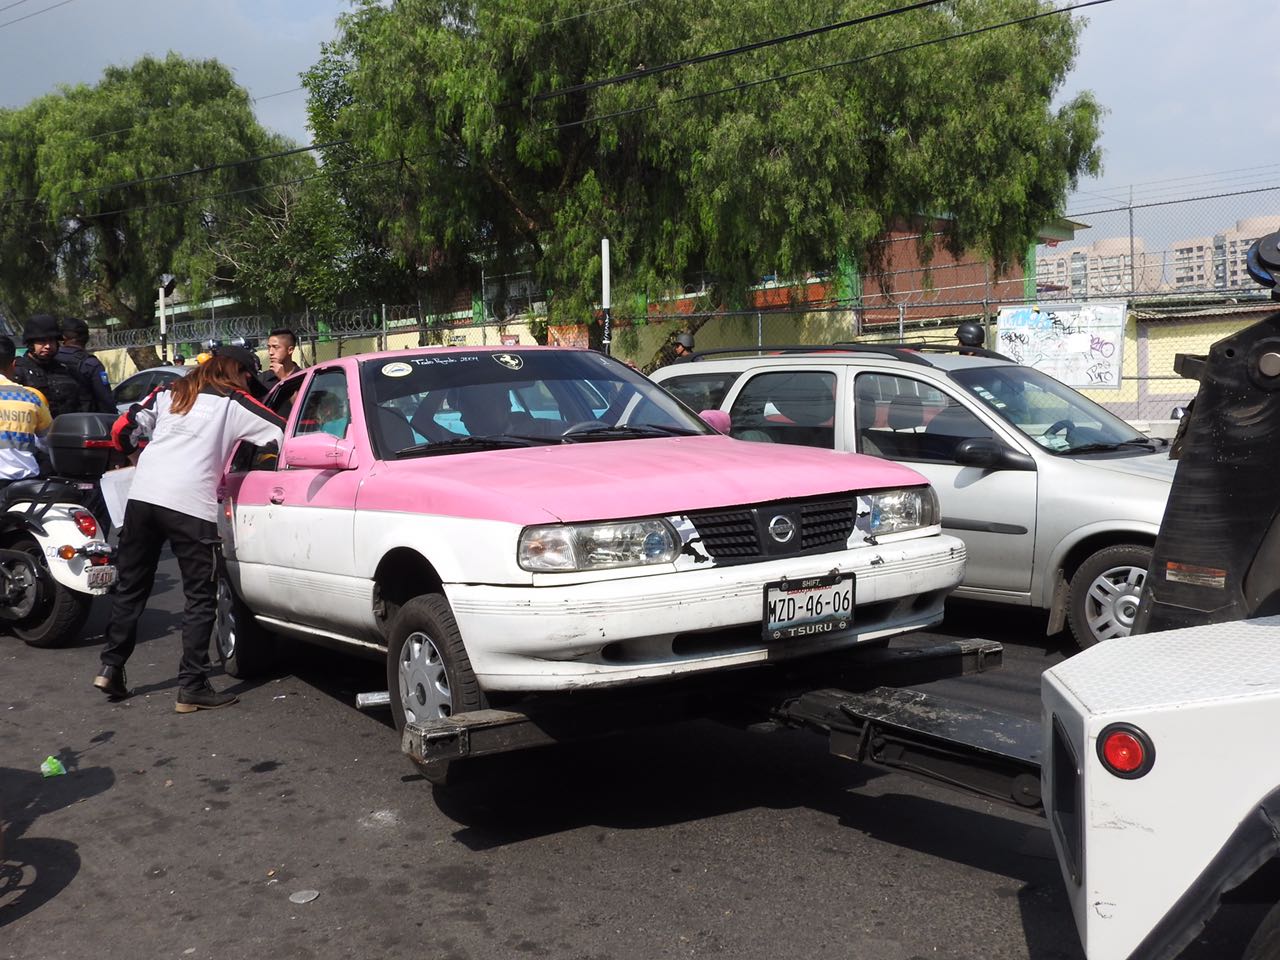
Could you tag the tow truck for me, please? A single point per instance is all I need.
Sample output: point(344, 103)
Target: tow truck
point(1153, 759)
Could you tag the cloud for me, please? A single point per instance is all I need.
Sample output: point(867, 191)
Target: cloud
point(266, 44)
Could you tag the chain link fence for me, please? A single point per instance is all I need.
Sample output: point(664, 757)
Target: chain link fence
point(1107, 311)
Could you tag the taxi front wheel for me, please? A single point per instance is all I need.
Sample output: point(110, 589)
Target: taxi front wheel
point(244, 647)
point(429, 674)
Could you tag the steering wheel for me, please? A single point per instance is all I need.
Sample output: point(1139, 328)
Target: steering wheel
point(1058, 426)
point(586, 426)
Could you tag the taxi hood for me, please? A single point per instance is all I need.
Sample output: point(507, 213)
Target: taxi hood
point(621, 479)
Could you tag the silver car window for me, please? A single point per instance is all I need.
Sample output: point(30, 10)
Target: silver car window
point(903, 418)
point(1046, 410)
point(795, 407)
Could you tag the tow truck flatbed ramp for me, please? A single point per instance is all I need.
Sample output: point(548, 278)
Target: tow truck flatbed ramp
point(987, 752)
point(796, 694)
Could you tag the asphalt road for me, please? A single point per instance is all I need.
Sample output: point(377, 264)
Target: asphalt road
point(186, 835)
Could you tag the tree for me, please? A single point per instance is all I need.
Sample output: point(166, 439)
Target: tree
point(301, 248)
point(450, 150)
point(88, 221)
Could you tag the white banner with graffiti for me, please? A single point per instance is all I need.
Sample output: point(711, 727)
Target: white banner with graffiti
point(1081, 344)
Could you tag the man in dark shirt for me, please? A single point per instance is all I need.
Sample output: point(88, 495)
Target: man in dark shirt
point(280, 366)
point(90, 374)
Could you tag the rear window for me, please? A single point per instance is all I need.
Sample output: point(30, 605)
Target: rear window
point(701, 391)
point(796, 407)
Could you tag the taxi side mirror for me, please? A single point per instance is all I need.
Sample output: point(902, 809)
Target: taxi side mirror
point(319, 451)
point(717, 420)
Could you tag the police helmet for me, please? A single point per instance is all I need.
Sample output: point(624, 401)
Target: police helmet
point(75, 329)
point(971, 334)
point(685, 340)
point(42, 326)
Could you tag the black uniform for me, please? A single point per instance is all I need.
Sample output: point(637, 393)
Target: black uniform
point(91, 375)
point(54, 379)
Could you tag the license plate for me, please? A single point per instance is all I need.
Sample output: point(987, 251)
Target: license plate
point(101, 576)
point(808, 607)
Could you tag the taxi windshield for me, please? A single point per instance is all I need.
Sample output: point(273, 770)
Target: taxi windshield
point(456, 401)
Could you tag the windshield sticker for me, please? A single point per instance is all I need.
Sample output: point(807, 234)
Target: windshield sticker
point(512, 361)
point(442, 359)
point(397, 369)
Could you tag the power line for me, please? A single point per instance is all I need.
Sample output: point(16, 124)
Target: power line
point(1167, 203)
point(1198, 176)
point(576, 16)
point(109, 133)
point(35, 14)
point(733, 51)
point(10, 6)
point(367, 165)
point(278, 93)
point(168, 177)
point(832, 66)
point(1175, 185)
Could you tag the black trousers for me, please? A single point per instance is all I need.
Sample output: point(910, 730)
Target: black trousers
point(194, 543)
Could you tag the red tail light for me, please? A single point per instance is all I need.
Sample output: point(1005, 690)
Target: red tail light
point(85, 523)
point(1126, 751)
point(98, 444)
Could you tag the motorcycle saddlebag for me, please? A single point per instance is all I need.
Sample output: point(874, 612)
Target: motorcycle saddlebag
point(80, 445)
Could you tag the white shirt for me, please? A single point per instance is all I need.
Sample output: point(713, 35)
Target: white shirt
point(182, 464)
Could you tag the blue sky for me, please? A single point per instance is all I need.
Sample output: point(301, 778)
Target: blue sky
point(1183, 80)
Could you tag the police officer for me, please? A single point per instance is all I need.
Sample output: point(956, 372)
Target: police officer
point(683, 346)
point(970, 334)
point(95, 388)
point(40, 368)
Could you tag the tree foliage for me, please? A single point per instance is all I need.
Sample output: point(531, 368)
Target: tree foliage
point(453, 160)
point(76, 227)
point(300, 248)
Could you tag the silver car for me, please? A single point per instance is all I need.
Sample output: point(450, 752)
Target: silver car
point(1057, 500)
point(134, 388)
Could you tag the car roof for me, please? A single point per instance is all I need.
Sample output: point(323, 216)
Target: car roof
point(164, 368)
point(939, 357)
point(462, 348)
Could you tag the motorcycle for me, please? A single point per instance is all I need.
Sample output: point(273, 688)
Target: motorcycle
point(54, 557)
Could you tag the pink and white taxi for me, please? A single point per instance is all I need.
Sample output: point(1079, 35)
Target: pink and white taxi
point(494, 520)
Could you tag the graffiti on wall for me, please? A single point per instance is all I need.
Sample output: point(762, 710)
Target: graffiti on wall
point(1081, 344)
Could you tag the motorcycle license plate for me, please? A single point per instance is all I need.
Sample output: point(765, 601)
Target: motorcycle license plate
point(101, 576)
point(808, 607)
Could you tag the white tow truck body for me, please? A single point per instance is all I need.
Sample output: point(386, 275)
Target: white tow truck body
point(1145, 856)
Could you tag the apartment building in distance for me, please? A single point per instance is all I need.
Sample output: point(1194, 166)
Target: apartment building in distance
point(1111, 267)
point(1217, 262)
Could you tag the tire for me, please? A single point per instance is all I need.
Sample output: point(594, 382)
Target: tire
point(240, 643)
point(1103, 596)
point(1265, 943)
point(429, 674)
point(59, 613)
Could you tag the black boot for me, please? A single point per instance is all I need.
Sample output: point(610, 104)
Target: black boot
point(111, 681)
point(202, 698)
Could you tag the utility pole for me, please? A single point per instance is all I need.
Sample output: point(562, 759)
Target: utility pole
point(605, 293)
point(164, 329)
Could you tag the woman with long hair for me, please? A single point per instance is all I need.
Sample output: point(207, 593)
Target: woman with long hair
point(193, 423)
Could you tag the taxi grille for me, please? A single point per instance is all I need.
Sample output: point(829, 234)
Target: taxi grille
point(743, 534)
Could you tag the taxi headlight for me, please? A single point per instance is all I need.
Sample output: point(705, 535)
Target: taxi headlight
point(597, 546)
point(896, 511)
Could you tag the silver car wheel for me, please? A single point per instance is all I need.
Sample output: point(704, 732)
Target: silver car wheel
point(1111, 603)
point(224, 628)
point(424, 684)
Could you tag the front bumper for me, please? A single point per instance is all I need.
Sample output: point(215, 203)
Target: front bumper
point(652, 627)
